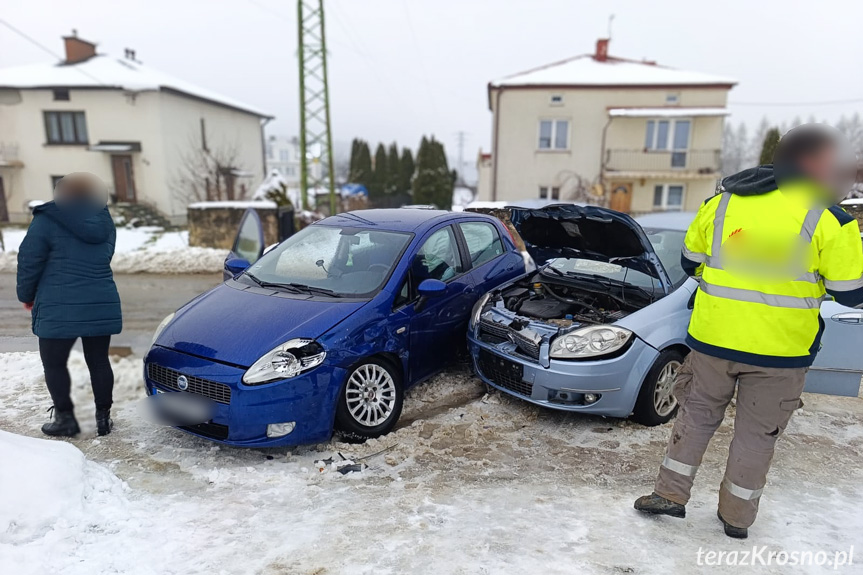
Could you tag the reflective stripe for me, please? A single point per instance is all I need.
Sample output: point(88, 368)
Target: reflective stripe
point(741, 492)
point(754, 296)
point(718, 224)
point(810, 223)
point(678, 467)
point(694, 256)
point(811, 277)
point(843, 285)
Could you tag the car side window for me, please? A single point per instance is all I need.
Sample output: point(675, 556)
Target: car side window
point(483, 242)
point(438, 258)
point(403, 297)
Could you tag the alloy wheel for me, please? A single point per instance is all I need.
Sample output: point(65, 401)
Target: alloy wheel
point(370, 395)
point(663, 400)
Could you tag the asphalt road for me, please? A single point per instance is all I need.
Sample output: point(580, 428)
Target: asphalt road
point(146, 299)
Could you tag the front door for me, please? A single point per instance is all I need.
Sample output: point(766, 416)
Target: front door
point(621, 197)
point(124, 180)
point(439, 324)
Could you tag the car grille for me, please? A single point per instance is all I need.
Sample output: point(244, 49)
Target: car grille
point(167, 377)
point(505, 373)
point(493, 332)
point(209, 429)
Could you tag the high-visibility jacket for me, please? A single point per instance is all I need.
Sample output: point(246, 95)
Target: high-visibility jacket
point(765, 263)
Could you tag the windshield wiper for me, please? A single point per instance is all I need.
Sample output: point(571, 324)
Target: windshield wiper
point(607, 281)
point(313, 290)
point(265, 284)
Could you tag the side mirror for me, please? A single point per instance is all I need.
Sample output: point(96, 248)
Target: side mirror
point(236, 265)
point(431, 288)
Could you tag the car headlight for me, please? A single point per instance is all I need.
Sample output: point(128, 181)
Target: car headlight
point(161, 328)
point(287, 360)
point(593, 341)
point(477, 311)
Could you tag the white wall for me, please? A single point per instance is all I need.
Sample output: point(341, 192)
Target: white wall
point(521, 167)
point(165, 124)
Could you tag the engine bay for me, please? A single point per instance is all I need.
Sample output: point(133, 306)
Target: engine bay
point(564, 303)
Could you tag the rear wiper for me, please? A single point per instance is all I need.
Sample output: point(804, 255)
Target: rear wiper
point(313, 289)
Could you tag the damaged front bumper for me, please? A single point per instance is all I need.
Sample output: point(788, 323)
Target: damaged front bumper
point(605, 386)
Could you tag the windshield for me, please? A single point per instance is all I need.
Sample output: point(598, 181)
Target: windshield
point(331, 260)
point(666, 243)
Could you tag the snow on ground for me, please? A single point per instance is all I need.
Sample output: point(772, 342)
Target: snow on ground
point(470, 482)
point(138, 250)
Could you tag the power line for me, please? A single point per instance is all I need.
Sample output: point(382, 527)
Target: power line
point(420, 57)
point(48, 50)
point(822, 103)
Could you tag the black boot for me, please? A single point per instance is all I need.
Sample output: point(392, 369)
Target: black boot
point(658, 505)
point(64, 424)
point(731, 530)
point(104, 423)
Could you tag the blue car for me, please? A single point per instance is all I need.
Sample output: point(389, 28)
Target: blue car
point(329, 328)
point(600, 326)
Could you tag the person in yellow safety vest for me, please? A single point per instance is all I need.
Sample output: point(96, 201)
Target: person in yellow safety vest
point(766, 250)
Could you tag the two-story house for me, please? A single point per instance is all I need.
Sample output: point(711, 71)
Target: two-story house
point(283, 156)
point(641, 136)
point(155, 139)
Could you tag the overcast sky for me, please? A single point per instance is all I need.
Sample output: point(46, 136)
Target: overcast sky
point(403, 68)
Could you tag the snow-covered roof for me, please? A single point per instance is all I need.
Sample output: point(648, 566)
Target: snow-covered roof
point(586, 70)
point(669, 112)
point(241, 204)
point(108, 72)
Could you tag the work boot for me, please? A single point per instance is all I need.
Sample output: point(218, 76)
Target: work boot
point(658, 505)
point(64, 424)
point(731, 530)
point(104, 423)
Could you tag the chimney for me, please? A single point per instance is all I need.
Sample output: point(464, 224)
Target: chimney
point(78, 50)
point(601, 50)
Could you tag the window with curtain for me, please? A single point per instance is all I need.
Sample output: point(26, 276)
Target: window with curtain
point(66, 128)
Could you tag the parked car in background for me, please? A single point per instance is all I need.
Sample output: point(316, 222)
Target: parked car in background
point(600, 326)
point(329, 328)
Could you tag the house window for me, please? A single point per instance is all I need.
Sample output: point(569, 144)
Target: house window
point(669, 135)
point(284, 156)
point(549, 192)
point(668, 197)
point(61, 95)
point(66, 127)
point(556, 100)
point(672, 98)
point(553, 134)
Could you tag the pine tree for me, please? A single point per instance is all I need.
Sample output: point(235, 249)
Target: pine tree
point(361, 164)
point(393, 169)
point(379, 180)
point(433, 183)
point(406, 170)
point(771, 141)
point(355, 144)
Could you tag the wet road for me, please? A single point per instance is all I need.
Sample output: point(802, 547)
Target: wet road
point(146, 299)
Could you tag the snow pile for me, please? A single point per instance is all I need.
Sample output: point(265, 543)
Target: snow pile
point(53, 486)
point(138, 250)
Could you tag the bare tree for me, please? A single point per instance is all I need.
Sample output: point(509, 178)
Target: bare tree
point(209, 174)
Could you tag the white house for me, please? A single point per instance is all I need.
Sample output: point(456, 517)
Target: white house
point(155, 139)
point(644, 136)
point(283, 156)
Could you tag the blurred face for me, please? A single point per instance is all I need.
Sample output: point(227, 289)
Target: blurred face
point(81, 187)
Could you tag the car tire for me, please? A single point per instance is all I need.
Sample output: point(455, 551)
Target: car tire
point(656, 404)
point(371, 400)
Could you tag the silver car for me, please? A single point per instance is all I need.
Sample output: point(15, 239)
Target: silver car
point(600, 326)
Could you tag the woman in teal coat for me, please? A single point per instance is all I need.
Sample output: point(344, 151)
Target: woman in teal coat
point(65, 279)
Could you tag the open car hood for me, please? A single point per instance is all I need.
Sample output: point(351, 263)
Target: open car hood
point(587, 232)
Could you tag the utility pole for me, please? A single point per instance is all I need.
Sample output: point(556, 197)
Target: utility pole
point(316, 140)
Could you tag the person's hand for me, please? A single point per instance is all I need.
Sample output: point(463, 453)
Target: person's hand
point(28, 306)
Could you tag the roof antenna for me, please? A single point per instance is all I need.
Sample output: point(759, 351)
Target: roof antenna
point(610, 20)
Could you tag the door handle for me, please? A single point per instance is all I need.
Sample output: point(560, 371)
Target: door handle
point(468, 290)
point(851, 317)
point(401, 330)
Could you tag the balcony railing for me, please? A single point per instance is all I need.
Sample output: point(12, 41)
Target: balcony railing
point(692, 161)
point(8, 154)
